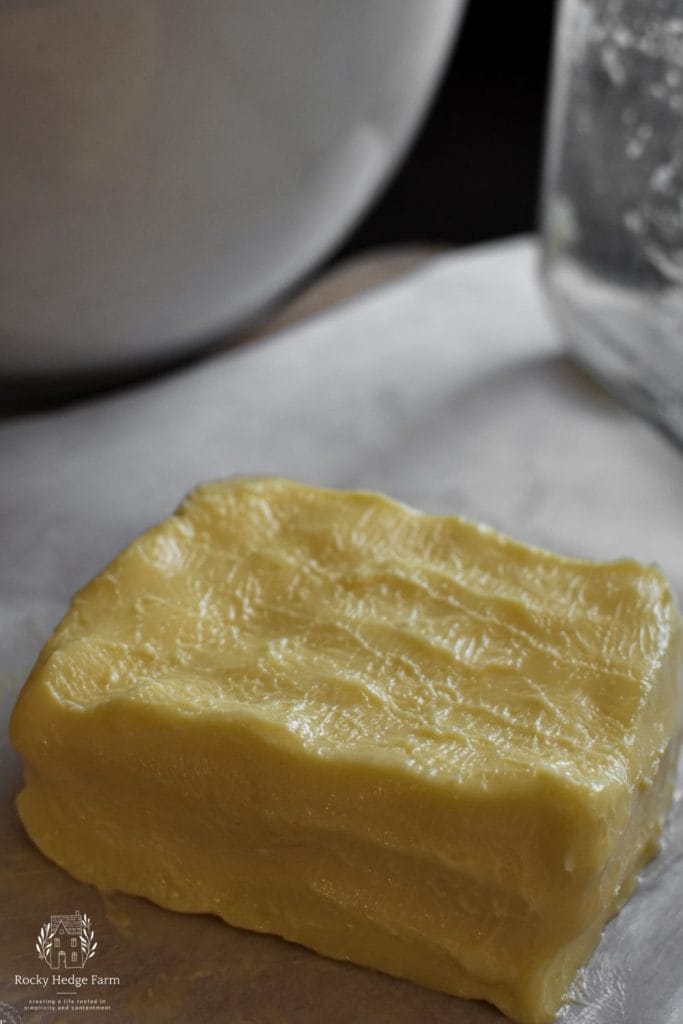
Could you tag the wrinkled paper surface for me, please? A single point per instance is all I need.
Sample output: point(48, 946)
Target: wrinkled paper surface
point(446, 390)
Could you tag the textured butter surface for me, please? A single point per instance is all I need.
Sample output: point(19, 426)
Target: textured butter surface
point(397, 738)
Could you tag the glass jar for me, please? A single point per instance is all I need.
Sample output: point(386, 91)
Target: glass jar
point(613, 198)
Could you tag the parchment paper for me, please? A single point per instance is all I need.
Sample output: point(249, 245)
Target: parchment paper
point(446, 390)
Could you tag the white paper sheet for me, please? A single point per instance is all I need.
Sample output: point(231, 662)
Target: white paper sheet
point(446, 390)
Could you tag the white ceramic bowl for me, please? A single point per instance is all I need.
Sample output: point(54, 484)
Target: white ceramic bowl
point(168, 166)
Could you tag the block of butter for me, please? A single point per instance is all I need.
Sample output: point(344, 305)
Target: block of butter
point(399, 739)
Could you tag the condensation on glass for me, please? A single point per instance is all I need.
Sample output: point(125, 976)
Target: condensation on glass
point(613, 202)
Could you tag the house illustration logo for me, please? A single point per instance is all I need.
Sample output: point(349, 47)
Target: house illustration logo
point(66, 941)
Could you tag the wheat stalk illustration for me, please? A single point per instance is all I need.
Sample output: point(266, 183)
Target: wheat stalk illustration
point(44, 943)
point(88, 944)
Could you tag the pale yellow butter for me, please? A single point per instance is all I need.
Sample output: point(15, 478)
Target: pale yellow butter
point(399, 739)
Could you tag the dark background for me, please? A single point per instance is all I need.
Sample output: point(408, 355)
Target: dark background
point(473, 173)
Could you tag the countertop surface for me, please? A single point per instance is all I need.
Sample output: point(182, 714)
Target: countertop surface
point(446, 389)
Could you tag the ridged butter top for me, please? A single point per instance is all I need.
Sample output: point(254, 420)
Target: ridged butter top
point(350, 624)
